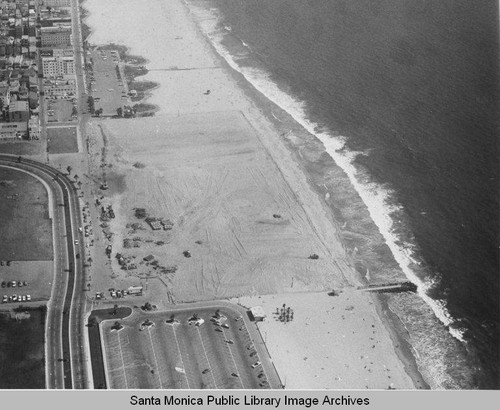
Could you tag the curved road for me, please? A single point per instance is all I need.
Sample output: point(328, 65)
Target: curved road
point(66, 364)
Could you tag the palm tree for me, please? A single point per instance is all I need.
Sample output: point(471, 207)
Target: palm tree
point(68, 168)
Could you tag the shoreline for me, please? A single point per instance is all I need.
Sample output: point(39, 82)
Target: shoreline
point(390, 319)
point(305, 147)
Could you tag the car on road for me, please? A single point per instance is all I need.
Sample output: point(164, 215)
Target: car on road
point(256, 364)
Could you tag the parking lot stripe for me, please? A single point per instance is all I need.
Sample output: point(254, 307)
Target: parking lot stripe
point(123, 361)
point(180, 355)
point(206, 356)
point(154, 354)
point(232, 357)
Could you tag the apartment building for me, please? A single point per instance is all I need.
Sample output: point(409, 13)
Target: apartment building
point(57, 66)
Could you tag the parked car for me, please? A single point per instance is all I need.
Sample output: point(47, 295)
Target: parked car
point(4, 284)
point(28, 297)
point(256, 364)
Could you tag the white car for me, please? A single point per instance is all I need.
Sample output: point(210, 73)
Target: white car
point(255, 365)
point(77, 241)
point(28, 297)
point(196, 322)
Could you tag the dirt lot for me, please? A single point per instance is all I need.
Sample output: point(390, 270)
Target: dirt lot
point(62, 140)
point(25, 227)
point(22, 363)
point(177, 355)
point(22, 147)
point(230, 206)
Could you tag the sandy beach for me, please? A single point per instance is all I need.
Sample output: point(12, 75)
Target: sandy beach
point(241, 204)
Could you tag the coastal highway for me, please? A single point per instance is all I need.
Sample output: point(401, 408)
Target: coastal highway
point(65, 354)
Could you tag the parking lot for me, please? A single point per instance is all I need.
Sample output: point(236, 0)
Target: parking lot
point(25, 281)
point(161, 351)
point(108, 87)
point(60, 109)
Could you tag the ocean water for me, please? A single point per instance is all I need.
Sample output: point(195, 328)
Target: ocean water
point(404, 96)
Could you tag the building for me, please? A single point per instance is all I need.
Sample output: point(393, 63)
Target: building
point(257, 313)
point(57, 66)
point(58, 3)
point(34, 128)
point(9, 130)
point(19, 111)
point(56, 36)
point(4, 96)
point(60, 88)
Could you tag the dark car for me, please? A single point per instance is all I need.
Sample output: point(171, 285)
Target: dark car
point(4, 284)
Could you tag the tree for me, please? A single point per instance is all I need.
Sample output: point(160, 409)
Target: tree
point(68, 168)
point(119, 111)
point(115, 309)
point(98, 112)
